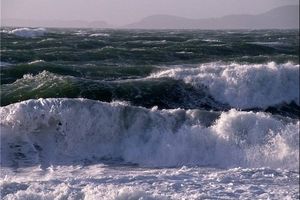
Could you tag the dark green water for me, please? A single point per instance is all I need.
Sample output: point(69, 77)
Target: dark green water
point(109, 65)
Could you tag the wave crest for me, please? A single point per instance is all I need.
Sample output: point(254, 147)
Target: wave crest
point(65, 131)
point(28, 32)
point(243, 86)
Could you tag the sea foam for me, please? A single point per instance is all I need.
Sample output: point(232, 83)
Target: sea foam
point(28, 32)
point(67, 131)
point(99, 35)
point(243, 86)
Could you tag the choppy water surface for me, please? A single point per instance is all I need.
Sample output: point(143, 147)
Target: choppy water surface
point(129, 114)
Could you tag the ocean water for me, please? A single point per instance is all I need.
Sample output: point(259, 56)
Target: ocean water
point(136, 114)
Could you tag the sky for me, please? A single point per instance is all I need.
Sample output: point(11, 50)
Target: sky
point(121, 12)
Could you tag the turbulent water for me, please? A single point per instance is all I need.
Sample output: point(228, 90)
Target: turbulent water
point(133, 114)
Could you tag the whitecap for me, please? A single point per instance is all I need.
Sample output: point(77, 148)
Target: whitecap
point(242, 85)
point(28, 32)
point(35, 62)
point(66, 131)
point(99, 35)
point(211, 40)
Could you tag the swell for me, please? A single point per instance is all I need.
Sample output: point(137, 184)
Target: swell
point(64, 132)
point(91, 70)
point(164, 93)
point(267, 87)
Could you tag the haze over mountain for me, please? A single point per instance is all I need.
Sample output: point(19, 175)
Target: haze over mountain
point(285, 17)
point(55, 23)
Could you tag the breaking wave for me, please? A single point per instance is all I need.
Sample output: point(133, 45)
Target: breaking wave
point(99, 35)
point(28, 32)
point(67, 131)
point(243, 86)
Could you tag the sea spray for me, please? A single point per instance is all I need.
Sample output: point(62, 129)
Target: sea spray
point(65, 131)
point(243, 85)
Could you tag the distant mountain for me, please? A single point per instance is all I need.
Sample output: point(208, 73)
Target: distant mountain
point(54, 23)
point(285, 17)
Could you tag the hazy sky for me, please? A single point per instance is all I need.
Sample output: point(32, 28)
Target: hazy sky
point(120, 12)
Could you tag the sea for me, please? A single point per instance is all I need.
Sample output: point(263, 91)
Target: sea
point(149, 114)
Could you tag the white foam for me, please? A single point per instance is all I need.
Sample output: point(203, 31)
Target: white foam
point(28, 32)
point(95, 182)
point(36, 62)
point(80, 32)
point(267, 43)
point(184, 52)
point(65, 131)
point(155, 42)
point(243, 86)
point(46, 40)
point(99, 35)
point(211, 40)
